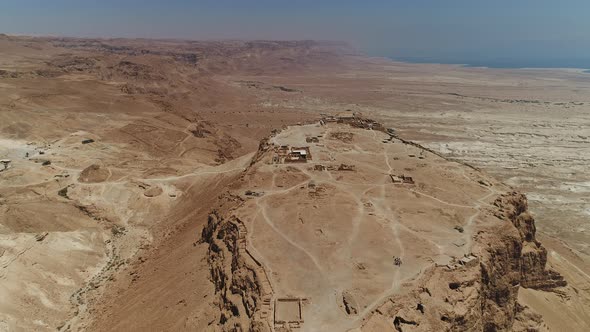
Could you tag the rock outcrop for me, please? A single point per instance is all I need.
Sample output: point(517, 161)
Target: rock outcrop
point(533, 256)
point(483, 297)
point(236, 281)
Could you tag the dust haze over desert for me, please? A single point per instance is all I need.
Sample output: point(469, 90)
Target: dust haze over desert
point(296, 184)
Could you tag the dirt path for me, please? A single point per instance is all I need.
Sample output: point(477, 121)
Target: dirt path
point(289, 240)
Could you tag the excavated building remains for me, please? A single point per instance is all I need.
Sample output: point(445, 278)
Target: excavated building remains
point(261, 289)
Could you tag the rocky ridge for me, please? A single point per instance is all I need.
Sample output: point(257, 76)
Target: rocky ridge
point(243, 291)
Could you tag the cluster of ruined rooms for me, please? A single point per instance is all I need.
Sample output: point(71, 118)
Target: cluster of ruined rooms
point(285, 154)
point(354, 119)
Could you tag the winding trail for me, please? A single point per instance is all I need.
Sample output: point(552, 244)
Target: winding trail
point(443, 202)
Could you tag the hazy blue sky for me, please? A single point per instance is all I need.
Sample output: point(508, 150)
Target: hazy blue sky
point(439, 30)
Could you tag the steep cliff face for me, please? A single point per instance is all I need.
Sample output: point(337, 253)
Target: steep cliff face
point(514, 259)
point(533, 256)
point(484, 296)
point(500, 278)
point(236, 281)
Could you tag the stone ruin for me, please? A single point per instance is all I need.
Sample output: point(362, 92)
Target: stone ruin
point(468, 260)
point(285, 154)
point(288, 313)
point(401, 179)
